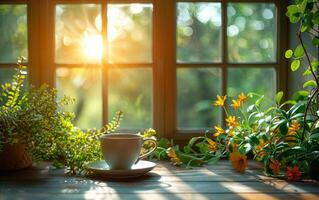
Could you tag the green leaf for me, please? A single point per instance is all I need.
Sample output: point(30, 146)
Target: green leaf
point(303, 6)
point(293, 12)
point(310, 83)
point(258, 102)
point(314, 136)
point(305, 27)
point(314, 65)
point(315, 41)
point(248, 148)
point(279, 96)
point(295, 65)
point(250, 108)
point(187, 149)
point(299, 51)
point(194, 139)
point(315, 130)
point(288, 53)
point(300, 95)
point(164, 143)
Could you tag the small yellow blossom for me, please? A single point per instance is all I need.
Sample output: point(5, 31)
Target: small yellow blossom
point(292, 131)
point(230, 132)
point(260, 149)
point(236, 104)
point(219, 130)
point(231, 121)
point(294, 127)
point(173, 156)
point(242, 97)
point(220, 101)
point(212, 145)
point(238, 161)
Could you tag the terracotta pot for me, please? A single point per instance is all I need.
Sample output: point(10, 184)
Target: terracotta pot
point(14, 157)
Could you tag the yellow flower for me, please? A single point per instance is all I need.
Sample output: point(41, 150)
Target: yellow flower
point(219, 130)
point(212, 145)
point(236, 104)
point(292, 131)
point(220, 101)
point(231, 121)
point(294, 127)
point(242, 97)
point(274, 166)
point(238, 161)
point(260, 149)
point(174, 158)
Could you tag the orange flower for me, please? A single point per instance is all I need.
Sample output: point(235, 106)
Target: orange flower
point(231, 121)
point(293, 173)
point(174, 158)
point(219, 131)
point(274, 166)
point(292, 131)
point(260, 149)
point(242, 97)
point(236, 104)
point(220, 101)
point(294, 127)
point(212, 145)
point(238, 161)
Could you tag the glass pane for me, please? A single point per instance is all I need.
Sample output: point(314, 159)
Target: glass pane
point(196, 89)
point(258, 80)
point(6, 75)
point(78, 33)
point(130, 33)
point(13, 33)
point(251, 32)
point(130, 90)
point(198, 32)
point(85, 85)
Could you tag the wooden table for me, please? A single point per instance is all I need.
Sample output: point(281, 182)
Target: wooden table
point(164, 182)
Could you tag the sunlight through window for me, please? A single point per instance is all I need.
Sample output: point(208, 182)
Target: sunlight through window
point(92, 46)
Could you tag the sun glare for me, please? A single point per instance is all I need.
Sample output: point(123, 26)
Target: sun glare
point(92, 46)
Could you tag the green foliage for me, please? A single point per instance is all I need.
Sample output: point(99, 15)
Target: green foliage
point(280, 136)
point(34, 117)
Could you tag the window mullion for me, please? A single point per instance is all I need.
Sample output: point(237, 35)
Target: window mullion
point(105, 66)
point(224, 64)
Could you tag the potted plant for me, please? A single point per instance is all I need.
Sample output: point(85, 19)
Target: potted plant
point(34, 127)
point(27, 116)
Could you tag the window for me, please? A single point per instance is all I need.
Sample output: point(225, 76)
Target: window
point(13, 42)
point(161, 62)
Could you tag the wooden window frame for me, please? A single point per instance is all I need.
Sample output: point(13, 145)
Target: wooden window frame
point(41, 61)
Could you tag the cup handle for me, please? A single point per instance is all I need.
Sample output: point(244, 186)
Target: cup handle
point(150, 152)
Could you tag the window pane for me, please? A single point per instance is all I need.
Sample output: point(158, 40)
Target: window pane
point(130, 90)
point(13, 33)
point(6, 75)
point(196, 89)
point(77, 33)
point(258, 80)
point(84, 84)
point(251, 32)
point(130, 33)
point(198, 32)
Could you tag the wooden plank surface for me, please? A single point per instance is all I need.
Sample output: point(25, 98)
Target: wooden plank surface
point(164, 182)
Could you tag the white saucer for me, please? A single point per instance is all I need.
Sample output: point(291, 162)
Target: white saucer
point(139, 169)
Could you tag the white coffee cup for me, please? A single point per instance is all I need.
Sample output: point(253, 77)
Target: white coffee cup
point(122, 150)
